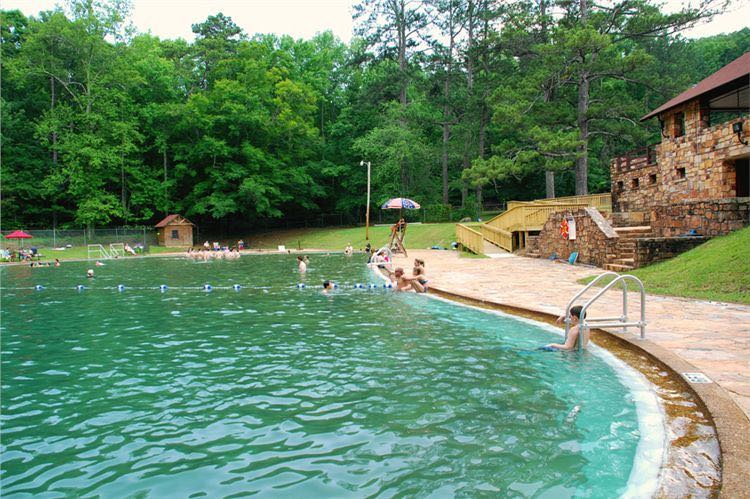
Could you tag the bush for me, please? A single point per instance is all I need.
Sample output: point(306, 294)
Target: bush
point(470, 209)
point(438, 213)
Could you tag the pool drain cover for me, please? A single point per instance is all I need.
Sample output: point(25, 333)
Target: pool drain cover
point(696, 377)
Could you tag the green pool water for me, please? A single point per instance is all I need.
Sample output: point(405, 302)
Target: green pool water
point(284, 392)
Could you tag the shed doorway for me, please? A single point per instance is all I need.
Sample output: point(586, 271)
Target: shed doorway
point(742, 171)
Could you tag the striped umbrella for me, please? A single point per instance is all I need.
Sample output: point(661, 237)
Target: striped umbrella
point(399, 204)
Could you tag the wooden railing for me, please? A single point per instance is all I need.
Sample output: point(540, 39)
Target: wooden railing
point(498, 237)
point(602, 202)
point(525, 216)
point(470, 239)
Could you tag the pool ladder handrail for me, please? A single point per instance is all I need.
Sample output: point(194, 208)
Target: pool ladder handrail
point(621, 321)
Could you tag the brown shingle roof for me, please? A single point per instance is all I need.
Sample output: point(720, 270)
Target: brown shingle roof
point(736, 69)
point(174, 220)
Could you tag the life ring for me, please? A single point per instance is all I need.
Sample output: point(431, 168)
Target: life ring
point(564, 228)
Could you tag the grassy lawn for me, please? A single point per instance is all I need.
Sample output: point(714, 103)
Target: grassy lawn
point(81, 253)
point(418, 236)
point(717, 270)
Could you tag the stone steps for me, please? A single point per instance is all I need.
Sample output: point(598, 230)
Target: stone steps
point(617, 267)
point(622, 259)
point(634, 232)
point(625, 261)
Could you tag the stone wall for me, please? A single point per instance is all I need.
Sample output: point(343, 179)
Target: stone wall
point(595, 237)
point(697, 165)
point(707, 218)
point(655, 249)
point(629, 218)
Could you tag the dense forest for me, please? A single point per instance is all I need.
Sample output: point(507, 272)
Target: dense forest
point(459, 102)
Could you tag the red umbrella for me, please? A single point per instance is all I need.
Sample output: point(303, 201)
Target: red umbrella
point(18, 234)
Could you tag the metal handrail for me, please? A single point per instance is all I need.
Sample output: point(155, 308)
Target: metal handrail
point(621, 321)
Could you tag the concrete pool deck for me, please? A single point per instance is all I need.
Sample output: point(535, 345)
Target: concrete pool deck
point(684, 334)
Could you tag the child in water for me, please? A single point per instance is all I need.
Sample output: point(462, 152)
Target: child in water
point(301, 264)
point(570, 341)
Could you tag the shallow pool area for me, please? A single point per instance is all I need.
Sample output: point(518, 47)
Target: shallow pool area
point(279, 391)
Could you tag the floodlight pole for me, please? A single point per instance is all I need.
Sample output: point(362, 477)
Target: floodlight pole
point(367, 210)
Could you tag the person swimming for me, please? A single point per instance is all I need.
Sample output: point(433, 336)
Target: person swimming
point(90, 273)
point(327, 287)
point(301, 265)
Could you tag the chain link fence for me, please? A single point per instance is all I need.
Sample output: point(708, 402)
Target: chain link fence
point(56, 238)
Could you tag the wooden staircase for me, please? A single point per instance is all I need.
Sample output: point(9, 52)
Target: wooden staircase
point(623, 258)
point(511, 229)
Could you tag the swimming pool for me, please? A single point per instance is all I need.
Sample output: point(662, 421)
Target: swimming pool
point(282, 391)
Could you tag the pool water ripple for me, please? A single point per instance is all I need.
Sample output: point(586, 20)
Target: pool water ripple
point(288, 392)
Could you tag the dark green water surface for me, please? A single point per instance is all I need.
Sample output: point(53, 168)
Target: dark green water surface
point(285, 392)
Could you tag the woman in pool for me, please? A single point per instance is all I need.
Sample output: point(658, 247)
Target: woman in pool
point(301, 265)
point(571, 340)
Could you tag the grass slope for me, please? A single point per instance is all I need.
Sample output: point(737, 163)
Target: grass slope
point(716, 270)
point(418, 236)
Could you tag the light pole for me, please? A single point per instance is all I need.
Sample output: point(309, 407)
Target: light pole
point(367, 211)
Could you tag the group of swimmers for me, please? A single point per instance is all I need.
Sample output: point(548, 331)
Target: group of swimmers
point(45, 264)
point(206, 255)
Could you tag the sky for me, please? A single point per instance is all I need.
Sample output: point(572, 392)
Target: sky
point(302, 18)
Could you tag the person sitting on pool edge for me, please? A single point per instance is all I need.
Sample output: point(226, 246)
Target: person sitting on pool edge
point(405, 283)
point(570, 341)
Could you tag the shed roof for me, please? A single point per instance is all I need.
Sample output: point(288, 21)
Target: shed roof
point(174, 219)
point(735, 70)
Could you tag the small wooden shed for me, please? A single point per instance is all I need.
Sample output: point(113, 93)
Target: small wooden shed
point(175, 230)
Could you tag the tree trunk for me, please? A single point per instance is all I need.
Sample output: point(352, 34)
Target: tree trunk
point(446, 137)
point(483, 121)
point(401, 28)
point(122, 186)
point(471, 19)
point(464, 186)
point(582, 161)
point(549, 180)
point(53, 99)
point(164, 160)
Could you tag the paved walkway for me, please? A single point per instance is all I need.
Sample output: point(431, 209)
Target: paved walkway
point(714, 337)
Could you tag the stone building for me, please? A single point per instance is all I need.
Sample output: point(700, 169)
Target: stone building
point(671, 196)
point(702, 157)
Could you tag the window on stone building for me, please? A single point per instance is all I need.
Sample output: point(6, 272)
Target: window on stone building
point(175, 234)
point(652, 179)
point(635, 183)
point(680, 173)
point(620, 186)
point(679, 124)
